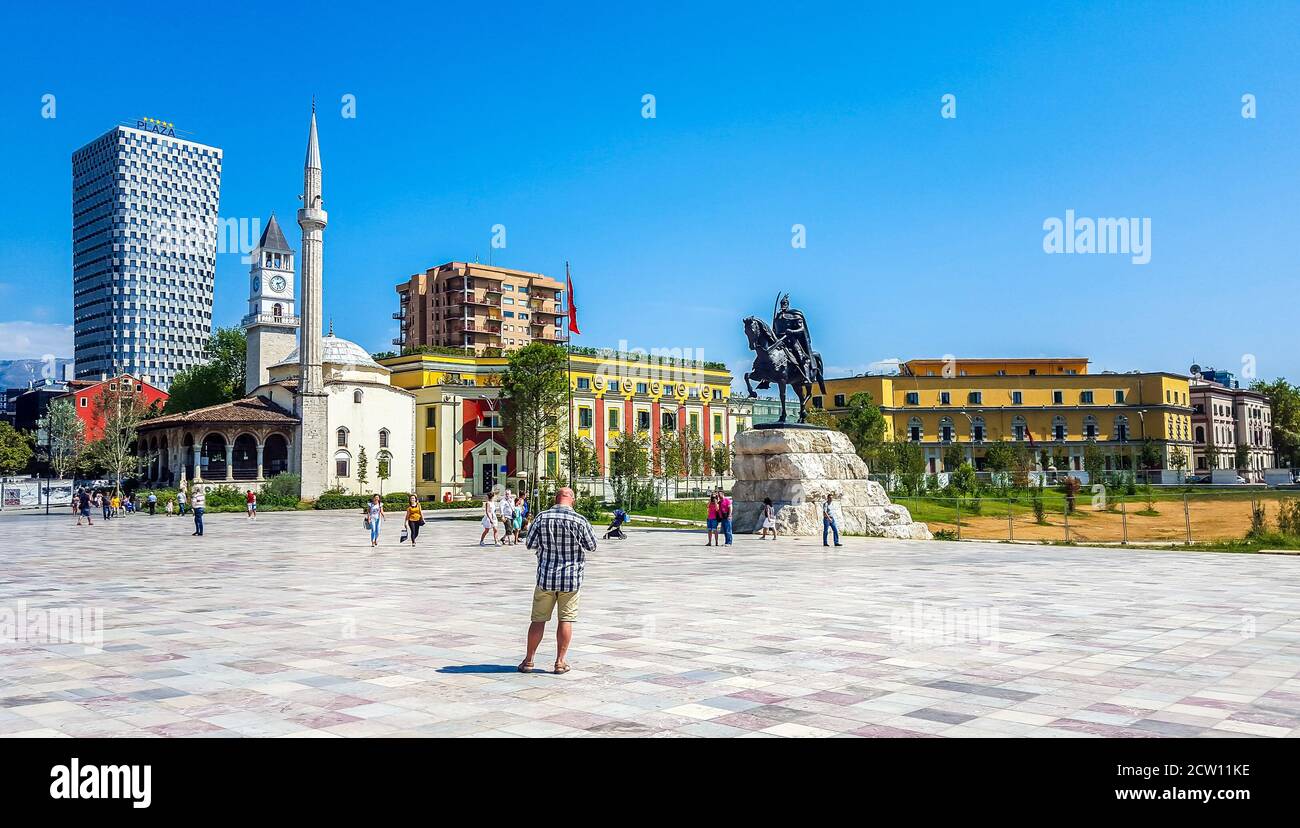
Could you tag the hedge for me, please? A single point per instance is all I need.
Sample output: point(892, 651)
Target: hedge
point(393, 501)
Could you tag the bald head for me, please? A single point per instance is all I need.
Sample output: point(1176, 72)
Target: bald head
point(564, 496)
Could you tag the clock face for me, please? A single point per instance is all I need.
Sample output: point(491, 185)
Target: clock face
point(277, 284)
point(257, 283)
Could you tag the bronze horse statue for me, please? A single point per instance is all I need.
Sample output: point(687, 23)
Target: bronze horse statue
point(778, 362)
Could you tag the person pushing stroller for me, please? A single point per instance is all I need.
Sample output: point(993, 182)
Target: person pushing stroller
point(615, 529)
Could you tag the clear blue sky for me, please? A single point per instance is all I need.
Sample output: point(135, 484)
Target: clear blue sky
point(924, 235)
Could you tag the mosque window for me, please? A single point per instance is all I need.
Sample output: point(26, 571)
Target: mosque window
point(342, 437)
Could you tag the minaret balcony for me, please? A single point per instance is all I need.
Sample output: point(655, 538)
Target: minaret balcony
point(269, 319)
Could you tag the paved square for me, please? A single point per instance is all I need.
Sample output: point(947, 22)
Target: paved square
point(293, 626)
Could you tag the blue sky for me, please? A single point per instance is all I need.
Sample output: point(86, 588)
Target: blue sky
point(924, 234)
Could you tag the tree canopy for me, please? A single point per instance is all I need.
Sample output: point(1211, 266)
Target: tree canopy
point(218, 380)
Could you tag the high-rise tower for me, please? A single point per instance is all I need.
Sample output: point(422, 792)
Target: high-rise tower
point(144, 251)
point(312, 399)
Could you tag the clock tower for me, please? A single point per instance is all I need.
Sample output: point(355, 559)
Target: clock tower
point(272, 321)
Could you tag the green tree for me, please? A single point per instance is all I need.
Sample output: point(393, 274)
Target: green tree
point(579, 454)
point(121, 412)
point(219, 379)
point(1094, 462)
point(1149, 456)
point(720, 462)
point(629, 458)
point(535, 387)
point(1284, 400)
point(953, 457)
point(362, 468)
point(1242, 456)
point(864, 423)
point(911, 466)
point(668, 455)
point(15, 449)
point(1178, 460)
point(383, 468)
point(1022, 465)
point(1211, 456)
point(66, 436)
point(819, 417)
point(691, 446)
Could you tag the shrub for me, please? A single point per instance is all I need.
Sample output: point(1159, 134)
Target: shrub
point(964, 480)
point(1257, 526)
point(283, 487)
point(1288, 517)
point(1040, 512)
point(589, 507)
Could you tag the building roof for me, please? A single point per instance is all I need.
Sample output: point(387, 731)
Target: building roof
point(273, 238)
point(336, 350)
point(258, 410)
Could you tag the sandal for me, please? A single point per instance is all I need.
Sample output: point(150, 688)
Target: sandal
point(525, 667)
point(561, 668)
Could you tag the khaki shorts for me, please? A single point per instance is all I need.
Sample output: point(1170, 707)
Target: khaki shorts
point(544, 602)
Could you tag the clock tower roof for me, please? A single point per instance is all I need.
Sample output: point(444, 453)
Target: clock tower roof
point(273, 238)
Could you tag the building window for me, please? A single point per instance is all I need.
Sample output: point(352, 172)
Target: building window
point(613, 419)
point(643, 420)
point(913, 398)
point(427, 466)
point(695, 423)
point(1119, 396)
point(1200, 434)
point(945, 430)
point(430, 417)
point(977, 429)
point(1019, 428)
point(1058, 397)
point(717, 424)
point(944, 398)
point(584, 417)
point(1017, 397)
point(1121, 428)
point(357, 395)
point(584, 384)
point(342, 464)
point(642, 388)
point(383, 438)
point(914, 432)
point(84, 402)
point(839, 400)
point(668, 421)
point(342, 439)
point(1085, 398)
point(1090, 427)
point(975, 398)
point(1058, 427)
point(817, 402)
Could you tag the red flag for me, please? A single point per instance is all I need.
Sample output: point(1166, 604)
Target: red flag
point(573, 309)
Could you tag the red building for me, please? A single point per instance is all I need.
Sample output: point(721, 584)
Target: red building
point(85, 394)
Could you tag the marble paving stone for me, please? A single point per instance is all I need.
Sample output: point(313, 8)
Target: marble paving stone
point(292, 626)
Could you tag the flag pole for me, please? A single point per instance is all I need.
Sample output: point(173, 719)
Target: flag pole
point(568, 364)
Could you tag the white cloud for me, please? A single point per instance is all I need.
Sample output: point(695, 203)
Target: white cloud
point(33, 340)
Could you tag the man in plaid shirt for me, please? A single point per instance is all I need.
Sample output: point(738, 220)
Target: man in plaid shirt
point(562, 538)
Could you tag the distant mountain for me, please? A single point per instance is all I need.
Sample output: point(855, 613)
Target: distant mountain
point(18, 373)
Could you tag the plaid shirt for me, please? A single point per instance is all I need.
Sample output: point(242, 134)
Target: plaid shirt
point(561, 537)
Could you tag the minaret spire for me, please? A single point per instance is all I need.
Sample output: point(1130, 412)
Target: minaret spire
point(312, 219)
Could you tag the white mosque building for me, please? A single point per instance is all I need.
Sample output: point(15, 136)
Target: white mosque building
point(316, 404)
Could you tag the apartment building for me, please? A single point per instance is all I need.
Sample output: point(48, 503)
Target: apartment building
point(481, 308)
point(1050, 404)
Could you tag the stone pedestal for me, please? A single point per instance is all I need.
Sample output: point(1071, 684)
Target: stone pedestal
point(797, 468)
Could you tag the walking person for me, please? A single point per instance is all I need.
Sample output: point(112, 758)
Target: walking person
point(828, 521)
point(517, 518)
point(102, 501)
point(414, 518)
point(374, 518)
point(711, 539)
point(506, 514)
point(200, 503)
point(561, 538)
point(489, 521)
point(768, 519)
point(153, 503)
point(250, 503)
point(180, 500)
point(171, 507)
point(115, 504)
point(81, 507)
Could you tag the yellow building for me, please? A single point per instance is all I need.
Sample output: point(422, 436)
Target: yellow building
point(461, 447)
point(1053, 404)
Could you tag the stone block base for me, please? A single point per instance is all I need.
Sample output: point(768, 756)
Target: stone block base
point(797, 468)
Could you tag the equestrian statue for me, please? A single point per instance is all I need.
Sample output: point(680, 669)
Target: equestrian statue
point(784, 355)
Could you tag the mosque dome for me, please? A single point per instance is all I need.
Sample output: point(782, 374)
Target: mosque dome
point(338, 351)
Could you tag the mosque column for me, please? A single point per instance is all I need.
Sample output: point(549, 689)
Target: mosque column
point(198, 469)
point(230, 459)
point(260, 471)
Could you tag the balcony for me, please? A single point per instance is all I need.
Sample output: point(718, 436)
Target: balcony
point(400, 315)
point(485, 299)
point(268, 319)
